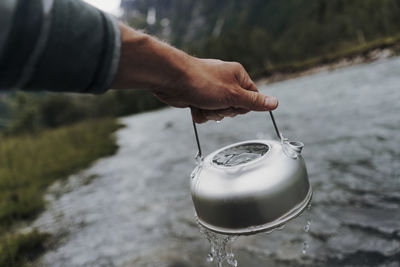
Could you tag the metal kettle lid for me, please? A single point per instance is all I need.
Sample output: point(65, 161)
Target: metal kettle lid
point(291, 148)
point(239, 154)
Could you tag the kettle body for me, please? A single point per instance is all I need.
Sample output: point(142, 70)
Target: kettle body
point(251, 186)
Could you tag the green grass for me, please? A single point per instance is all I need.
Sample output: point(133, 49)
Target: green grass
point(29, 164)
point(19, 249)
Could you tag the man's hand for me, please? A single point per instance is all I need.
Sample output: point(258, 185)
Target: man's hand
point(213, 89)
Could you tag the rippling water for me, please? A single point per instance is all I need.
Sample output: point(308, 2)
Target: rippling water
point(135, 209)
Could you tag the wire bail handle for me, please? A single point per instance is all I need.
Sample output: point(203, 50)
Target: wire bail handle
point(199, 153)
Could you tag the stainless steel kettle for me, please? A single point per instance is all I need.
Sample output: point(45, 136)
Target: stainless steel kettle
point(251, 186)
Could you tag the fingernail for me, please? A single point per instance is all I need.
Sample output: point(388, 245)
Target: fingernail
point(271, 102)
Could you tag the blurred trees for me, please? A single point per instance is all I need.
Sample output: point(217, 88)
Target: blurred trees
point(33, 112)
point(265, 33)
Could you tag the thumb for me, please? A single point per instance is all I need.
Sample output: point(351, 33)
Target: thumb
point(257, 102)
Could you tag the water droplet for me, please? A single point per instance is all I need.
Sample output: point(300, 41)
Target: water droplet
point(282, 227)
point(213, 250)
point(198, 159)
point(195, 171)
point(305, 247)
point(307, 226)
point(193, 174)
point(232, 262)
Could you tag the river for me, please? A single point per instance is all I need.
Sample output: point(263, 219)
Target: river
point(135, 209)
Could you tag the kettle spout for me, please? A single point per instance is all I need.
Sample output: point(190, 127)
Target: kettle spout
point(296, 146)
point(292, 149)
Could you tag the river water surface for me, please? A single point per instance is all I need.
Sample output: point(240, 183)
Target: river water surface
point(135, 209)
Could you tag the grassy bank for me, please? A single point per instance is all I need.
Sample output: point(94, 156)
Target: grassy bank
point(362, 50)
point(29, 164)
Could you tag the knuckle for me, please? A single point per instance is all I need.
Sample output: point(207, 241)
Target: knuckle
point(254, 100)
point(260, 100)
point(241, 75)
point(238, 67)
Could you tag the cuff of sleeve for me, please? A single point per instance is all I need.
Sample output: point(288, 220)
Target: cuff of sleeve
point(107, 78)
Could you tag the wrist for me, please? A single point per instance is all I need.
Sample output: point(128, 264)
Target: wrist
point(173, 67)
point(131, 43)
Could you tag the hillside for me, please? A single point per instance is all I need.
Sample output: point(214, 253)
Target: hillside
point(266, 34)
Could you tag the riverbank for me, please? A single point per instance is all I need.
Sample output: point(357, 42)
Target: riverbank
point(365, 53)
point(29, 164)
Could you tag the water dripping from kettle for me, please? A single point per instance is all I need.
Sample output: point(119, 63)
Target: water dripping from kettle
point(307, 226)
point(221, 247)
point(306, 245)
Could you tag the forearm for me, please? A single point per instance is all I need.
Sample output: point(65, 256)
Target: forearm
point(149, 63)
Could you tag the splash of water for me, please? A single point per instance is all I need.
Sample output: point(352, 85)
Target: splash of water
point(221, 247)
point(307, 230)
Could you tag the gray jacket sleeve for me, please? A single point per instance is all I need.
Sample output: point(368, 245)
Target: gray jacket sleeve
point(57, 45)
